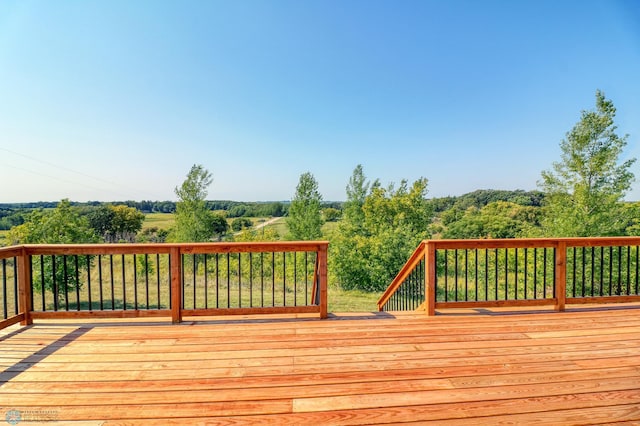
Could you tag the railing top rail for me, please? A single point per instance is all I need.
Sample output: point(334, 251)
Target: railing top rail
point(153, 248)
point(12, 251)
point(535, 242)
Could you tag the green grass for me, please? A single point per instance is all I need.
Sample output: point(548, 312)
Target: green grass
point(340, 300)
point(159, 220)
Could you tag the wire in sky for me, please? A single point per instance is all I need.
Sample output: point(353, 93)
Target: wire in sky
point(68, 170)
point(61, 180)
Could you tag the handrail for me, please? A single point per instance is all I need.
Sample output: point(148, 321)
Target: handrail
point(418, 254)
point(173, 272)
point(523, 272)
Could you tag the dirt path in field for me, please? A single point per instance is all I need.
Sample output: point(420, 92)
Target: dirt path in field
point(267, 222)
point(261, 225)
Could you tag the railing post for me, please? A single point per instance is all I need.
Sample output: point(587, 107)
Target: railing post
point(24, 286)
point(561, 276)
point(322, 265)
point(175, 261)
point(430, 278)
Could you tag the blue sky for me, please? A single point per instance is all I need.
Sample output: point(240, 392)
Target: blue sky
point(113, 100)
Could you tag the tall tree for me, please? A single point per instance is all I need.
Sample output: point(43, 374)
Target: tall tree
point(585, 189)
point(357, 191)
point(194, 222)
point(379, 230)
point(305, 217)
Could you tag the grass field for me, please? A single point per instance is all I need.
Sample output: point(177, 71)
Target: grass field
point(351, 300)
point(158, 220)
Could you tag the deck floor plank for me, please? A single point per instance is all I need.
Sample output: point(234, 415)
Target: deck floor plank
point(468, 367)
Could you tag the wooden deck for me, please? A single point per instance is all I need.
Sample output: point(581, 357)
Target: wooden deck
point(490, 367)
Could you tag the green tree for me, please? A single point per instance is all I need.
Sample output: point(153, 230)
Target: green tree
point(194, 222)
point(240, 223)
point(127, 222)
point(585, 189)
point(116, 223)
point(331, 215)
point(380, 229)
point(499, 219)
point(62, 225)
point(357, 192)
point(305, 218)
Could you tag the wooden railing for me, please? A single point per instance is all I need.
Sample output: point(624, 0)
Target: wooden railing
point(155, 280)
point(517, 272)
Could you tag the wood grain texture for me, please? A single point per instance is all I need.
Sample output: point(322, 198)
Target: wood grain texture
point(581, 366)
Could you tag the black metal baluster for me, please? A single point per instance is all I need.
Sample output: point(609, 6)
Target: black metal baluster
point(239, 281)
point(158, 278)
point(306, 278)
point(135, 282)
point(284, 278)
point(206, 282)
point(610, 270)
point(113, 295)
point(455, 276)
point(77, 277)
point(584, 270)
point(535, 273)
point(628, 270)
point(295, 279)
point(446, 275)
point(466, 275)
point(5, 304)
point(30, 281)
point(100, 281)
point(496, 272)
point(228, 280)
point(515, 268)
point(124, 285)
point(65, 281)
point(262, 279)
point(506, 274)
point(593, 270)
point(637, 267)
point(553, 272)
point(601, 271)
point(16, 309)
point(217, 281)
point(526, 273)
point(486, 274)
point(573, 275)
point(273, 278)
point(619, 283)
point(476, 273)
point(544, 272)
point(42, 285)
point(88, 259)
point(146, 279)
point(194, 266)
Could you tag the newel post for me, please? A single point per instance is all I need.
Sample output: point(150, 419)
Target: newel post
point(322, 269)
point(175, 262)
point(561, 276)
point(430, 278)
point(24, 286)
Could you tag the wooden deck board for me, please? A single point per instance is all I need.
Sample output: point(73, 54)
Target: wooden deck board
point(471, 367)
